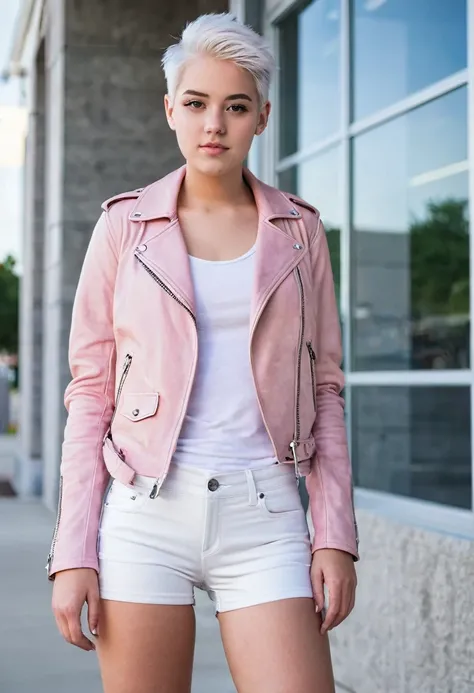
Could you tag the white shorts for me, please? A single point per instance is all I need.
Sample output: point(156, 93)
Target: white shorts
point(241, 536)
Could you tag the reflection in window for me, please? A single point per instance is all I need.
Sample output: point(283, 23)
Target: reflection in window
point(410, 243)
point(318, 181)
point(309, 76)
point(413, 441)
point(402, 46)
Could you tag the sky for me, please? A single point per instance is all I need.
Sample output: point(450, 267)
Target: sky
point(12, 125)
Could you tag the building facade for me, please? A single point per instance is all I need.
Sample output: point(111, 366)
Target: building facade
point(373, 122)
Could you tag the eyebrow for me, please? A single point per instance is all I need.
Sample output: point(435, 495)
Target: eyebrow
point(232, 97)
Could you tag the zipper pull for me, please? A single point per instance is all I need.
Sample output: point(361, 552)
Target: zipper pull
point(156, 488)
point(293, 446)
point(312, 355)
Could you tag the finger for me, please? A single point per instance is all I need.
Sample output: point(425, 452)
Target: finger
point(63, 626)
point(348, 602)
point(93, 609)
point(345, 606)
point(77, 636)
point(335, 598)
point(317, 582)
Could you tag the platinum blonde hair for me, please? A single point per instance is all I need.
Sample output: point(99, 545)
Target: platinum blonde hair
point(224, 37)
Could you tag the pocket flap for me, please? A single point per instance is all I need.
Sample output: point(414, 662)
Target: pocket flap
point(139, 405)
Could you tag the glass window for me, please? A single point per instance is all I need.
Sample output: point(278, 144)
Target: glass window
point(309, 76)
point(318, 181)
point(413, 441)
point(402, 46)
point(410, 241)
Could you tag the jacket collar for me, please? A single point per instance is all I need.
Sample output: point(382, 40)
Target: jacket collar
point(159, 200)
point(165, 252)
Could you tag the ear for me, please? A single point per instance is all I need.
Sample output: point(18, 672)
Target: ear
point(263, 118)
point(169, 111)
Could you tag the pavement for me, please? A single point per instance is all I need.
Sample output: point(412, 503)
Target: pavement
point(33, 656)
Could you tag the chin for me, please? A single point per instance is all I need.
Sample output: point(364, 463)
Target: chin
point(213, 167)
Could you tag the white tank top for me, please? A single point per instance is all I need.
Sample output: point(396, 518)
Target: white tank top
point(223, 428)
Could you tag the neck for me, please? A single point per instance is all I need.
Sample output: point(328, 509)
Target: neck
point(209, 192)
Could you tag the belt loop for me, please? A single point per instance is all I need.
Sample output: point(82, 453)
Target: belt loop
point(252, 487)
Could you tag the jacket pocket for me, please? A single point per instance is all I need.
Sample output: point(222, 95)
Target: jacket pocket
point(312, 364)
point(137, 406)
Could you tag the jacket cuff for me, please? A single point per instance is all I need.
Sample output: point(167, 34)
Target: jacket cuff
point(334, 545)
point(71, 564)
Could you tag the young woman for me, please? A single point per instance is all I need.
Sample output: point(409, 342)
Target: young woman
point(205, 355)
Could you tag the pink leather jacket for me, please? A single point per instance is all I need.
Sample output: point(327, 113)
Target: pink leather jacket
point(133, 351)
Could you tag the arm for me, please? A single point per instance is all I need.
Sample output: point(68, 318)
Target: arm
point(89, 400)
point(329, 483)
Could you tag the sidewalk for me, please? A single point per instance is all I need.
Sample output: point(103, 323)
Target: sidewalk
point(34, 658)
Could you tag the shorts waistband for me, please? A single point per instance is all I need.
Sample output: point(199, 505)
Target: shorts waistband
point(206, 482)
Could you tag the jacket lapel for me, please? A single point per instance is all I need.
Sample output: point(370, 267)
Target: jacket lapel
point(277, 252)
point(163, 249)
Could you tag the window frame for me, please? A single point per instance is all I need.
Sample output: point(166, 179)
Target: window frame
point(432, 516)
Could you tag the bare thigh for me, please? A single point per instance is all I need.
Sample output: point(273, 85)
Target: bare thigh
point(277, 647)
point(146, 648)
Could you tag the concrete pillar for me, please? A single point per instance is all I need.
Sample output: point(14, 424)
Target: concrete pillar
point(106, 132)
point(27, 475)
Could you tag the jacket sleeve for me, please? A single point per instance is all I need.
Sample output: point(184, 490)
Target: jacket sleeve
point(89, 400)
point(329, 483)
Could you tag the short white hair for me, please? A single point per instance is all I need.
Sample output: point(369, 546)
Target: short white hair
point(224, 37)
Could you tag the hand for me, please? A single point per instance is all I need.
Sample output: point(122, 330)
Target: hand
point(71, 589)
point(336, 569)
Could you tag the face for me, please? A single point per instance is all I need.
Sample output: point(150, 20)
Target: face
point(216, 113)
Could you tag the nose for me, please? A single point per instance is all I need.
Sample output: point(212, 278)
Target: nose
point(215, 124)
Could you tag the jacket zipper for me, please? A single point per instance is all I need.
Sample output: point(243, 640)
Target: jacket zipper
point(159, 482)
point(126, 367)
point(56, 526)
point(163, 285)
point(312, 363)
point(294, 442)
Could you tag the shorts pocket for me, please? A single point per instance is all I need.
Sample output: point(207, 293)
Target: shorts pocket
point(280, 501)
point(124, 498)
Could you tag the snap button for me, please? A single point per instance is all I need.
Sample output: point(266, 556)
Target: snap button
point(137, 214)
point(213, 485)
point(141, 248)
point(297, 246)
point(139, 190)
point(294, 212)
point(136, 412)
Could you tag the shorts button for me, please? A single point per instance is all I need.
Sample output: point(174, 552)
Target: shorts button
point(213, 485)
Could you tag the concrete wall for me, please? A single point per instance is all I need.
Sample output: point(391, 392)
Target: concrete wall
point(27, 479)
point(412, 628)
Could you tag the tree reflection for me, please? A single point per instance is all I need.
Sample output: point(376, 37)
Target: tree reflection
point(437, 318)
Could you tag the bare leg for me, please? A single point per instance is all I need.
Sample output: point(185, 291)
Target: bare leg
point(146, 648)
point(277, 648)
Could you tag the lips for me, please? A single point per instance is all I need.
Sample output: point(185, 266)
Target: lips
point(213, 145)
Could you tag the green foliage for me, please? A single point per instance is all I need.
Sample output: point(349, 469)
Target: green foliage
point(9, 306)
point(440, 260)
point(439, 256)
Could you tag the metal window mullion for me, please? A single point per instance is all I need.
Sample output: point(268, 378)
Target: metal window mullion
point(427, 378)
point(309, 152)
point(345, 181)
point(434, 91)
point(268, 145)
point(470, 156)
